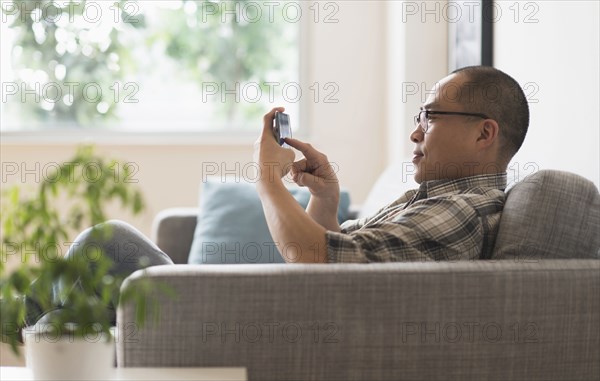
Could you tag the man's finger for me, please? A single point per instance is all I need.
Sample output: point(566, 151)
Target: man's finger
point(305, 148)
point(300, 165)
point(268, 120)
point(305, 179)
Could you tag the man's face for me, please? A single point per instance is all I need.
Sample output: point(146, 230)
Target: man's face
point(448, 149)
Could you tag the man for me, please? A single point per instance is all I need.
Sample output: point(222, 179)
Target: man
point(465, 135)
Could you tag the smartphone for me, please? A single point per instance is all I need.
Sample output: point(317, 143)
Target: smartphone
point(282, 128)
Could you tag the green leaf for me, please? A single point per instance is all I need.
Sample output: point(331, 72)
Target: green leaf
point(138, 203)
point(33, 224)
point(135, 20)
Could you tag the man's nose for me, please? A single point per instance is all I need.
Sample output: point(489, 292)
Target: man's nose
point(417, 134)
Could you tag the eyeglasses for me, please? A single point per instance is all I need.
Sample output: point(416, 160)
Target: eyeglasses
point(423, 121)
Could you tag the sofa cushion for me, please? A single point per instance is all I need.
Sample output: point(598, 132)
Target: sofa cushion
point(391, 184)
point(550, 214)
point(231, 226)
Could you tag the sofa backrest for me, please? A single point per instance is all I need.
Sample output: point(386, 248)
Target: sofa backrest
point(465, 320)
point(550, 214)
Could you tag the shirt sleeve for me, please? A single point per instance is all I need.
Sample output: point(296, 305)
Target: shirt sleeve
point(441, 228)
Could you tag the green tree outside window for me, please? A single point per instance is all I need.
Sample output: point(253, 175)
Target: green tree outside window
point(79, 56)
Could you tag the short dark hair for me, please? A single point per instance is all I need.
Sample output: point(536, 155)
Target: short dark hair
point(500, 97)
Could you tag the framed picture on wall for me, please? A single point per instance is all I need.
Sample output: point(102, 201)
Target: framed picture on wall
point(470, 33)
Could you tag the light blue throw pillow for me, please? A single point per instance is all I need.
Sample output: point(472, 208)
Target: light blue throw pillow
point(232, 228)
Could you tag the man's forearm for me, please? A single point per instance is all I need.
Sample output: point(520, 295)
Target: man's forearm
point(324, 212)
point(300, 238)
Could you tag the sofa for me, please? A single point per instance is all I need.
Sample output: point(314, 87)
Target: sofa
point(532, 312)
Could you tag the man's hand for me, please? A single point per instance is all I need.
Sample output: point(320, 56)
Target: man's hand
point(317, 174)
point(289, 224)
point(274, 161)
point(314, 171)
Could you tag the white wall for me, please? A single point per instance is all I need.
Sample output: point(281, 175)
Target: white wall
point(416, 59)
point(556, 54)
point(351, 53)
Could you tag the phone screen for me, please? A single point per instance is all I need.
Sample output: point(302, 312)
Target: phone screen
point(282, 128)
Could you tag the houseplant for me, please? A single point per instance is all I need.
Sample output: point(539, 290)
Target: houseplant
point(35, 232)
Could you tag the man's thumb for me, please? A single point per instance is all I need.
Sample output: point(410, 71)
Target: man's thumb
point(306, 179)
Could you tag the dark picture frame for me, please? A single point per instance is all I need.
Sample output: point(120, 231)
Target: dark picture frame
point(471, 34)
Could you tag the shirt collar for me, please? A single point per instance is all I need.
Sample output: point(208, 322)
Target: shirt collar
point(434, 188)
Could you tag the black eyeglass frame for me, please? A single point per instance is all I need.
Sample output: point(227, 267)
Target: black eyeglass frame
point(431, 112)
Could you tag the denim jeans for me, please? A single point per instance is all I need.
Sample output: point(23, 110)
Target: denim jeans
point(127, 247)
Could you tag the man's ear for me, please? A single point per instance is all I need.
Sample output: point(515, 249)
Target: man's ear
point(489, 131)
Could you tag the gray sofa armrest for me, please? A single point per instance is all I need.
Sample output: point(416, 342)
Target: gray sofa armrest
point(173, 232)
point(480, 320)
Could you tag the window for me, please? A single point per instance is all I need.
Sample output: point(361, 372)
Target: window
point(147, 66)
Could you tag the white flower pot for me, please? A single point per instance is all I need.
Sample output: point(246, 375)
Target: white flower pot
point(54, 357)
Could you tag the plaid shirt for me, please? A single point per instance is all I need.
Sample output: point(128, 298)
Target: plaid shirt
point(442, 220)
